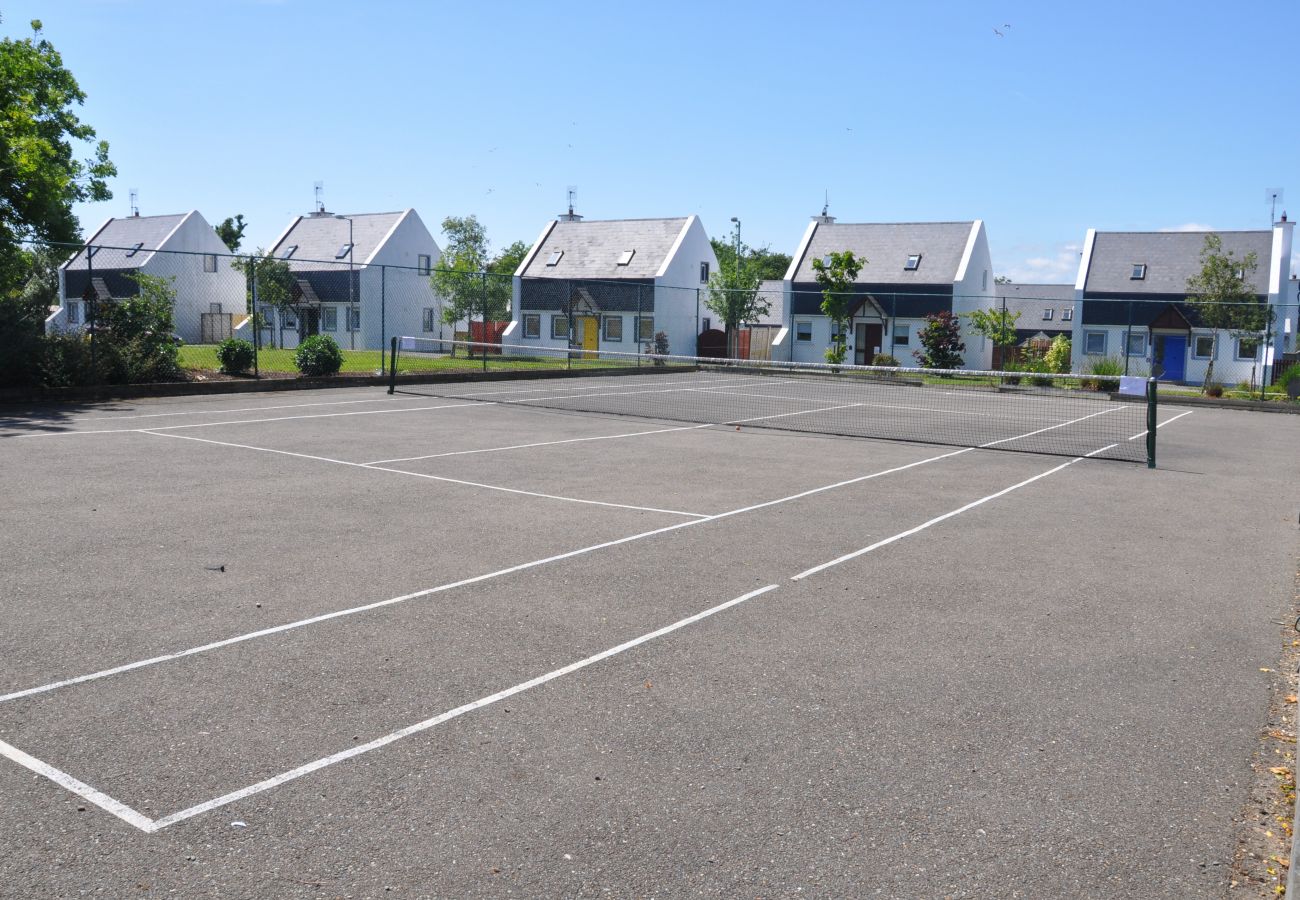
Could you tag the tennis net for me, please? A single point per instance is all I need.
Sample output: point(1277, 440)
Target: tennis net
point(1065, 415)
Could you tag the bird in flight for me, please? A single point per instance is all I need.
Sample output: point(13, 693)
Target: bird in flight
point(998, 33)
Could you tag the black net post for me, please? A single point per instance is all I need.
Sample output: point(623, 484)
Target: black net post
point(1151, 422)
point(392, 368)
point(484, 334)
point(257, 319)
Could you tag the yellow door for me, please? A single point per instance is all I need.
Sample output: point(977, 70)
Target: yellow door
point(590, 336)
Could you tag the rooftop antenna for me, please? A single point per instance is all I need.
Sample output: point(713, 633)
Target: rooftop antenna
point(320, 192)
point(571, 216)
point(135, 204)
point(826, 206)
point(825, 218)
point(1274, 197)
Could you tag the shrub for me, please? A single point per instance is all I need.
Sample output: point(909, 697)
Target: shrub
point(65, 360)
point(318, 355)
point(885, 359)
point(1058, 355)
point(1108, 366)
point(1213, 389)
point(1289, 374)
point(235, 356)
point(941, 343)
point(658, 346)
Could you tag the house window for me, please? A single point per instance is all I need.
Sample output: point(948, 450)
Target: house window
point(209, 262)
point(1067, 314)
point(135, 248)
point(614, 328)
point(1047, 315)
point(214, 308)
point(345, 250)
point(560, 327)
point(423, 265)
point(645, 328)
point(74, 312)
point(704, 273)
point(626, 257)
point(555, 257)
point(803, 332)
point(1139, 272)
point(913, 263)
point(329, 318)
point(533, 325)
point(354, 318)
point(1248, 348)
point(984, 281)
point(1203, 346)
point(902, 334)
point(430, 317)
point(288, 251)
point(289, 320)
point(1094, 343)
point(1137, 343)
point(707, 322)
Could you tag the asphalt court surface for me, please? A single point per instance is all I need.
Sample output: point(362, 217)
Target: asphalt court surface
point(1034, 684)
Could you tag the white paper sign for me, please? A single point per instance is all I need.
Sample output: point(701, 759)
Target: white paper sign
point(1133, 385)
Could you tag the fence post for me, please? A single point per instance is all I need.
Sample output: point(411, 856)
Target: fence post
point(257, 325)
point(91, 295)
point(392, 370)
point(1128, 333)
point(1151, 422)
point(483, 346)
point(383, 316)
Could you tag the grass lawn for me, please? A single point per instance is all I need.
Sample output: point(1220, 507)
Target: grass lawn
point(367, 362)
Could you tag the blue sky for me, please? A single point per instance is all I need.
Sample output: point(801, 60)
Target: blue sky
point(1137, 115)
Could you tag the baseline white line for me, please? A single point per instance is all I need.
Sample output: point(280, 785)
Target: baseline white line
point(460, 481)
point(942, 518)
point(78, 787)
point(337, 614)
point(332, 759)
point(1160, 425)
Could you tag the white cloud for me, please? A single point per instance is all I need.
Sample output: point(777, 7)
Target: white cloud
point(1057, 267)
point(1190, 226)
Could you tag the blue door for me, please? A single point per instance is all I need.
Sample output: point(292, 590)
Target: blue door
point(1171, 353)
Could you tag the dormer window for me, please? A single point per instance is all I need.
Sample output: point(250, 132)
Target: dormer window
point(134, 249)
point(345, 250)
point(913, 263)
point(288, 251)
point(555, 258)
point(626, 257)
point(1139, 272)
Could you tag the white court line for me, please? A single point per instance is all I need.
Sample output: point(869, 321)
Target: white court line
point(581, 551)
point(929, 409)
point(1160, 425)
point(211, 412)
point(349, 753)
point(80, 788)
point(942, 518)
point(460, 481)
point(1021, 437)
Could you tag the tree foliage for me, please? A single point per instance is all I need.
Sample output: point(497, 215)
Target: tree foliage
point(836, 275)
point(733, 295)
point(231, 231)
point(40, 176)
point(23, 310)
point(941, 343)
point(766, 264)
point(996, 324)
point(1222, 296)
point(471, 282)
point(272, 280)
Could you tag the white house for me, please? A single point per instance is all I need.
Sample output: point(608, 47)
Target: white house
point(360, 278)
point(612, 285)
point(912, 269)
point(1131, 293)
point(182, 248)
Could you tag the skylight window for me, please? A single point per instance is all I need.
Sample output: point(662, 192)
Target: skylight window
point(1139, 272)
point(288, 251)
point(556, 256)
point(345, 250)
point(626, 257)
point(135, 249)
point(1047, 314)
point(913, 262)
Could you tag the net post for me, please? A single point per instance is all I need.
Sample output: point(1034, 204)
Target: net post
point(392, 367)
point(1151, 422)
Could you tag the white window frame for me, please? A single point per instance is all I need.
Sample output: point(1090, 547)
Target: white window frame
point(558, 333)
point(429, 319)
point(1128, 343)
point(801, 336)
point(913, 262)
point(625, 258)
point(209, 262)
point(604, 329)
point(1236, 349)
point(532, 326)
point(1087, 338)
point(423, 264)
point(555, 257)
point(329, 318)
point(1047, 314)
point(904, 332)
point(74, 312)
point(1139, 272)
point(1203, 337)
point(1067, 314)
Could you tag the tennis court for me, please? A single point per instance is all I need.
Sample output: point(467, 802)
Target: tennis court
point(661, 633)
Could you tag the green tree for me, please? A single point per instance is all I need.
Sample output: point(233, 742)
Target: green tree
point(1222, 296)
point(134, 334)
point(23, 310)
point(40, 178)
point(766, 264)
point(1002, 279)
point(941, 343)
point(231, 231)
point(273, 281)
point(471, 282)
point(836, 275)
point(733, 295)
point(996, 324)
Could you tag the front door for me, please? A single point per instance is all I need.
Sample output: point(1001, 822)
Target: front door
point(590, 337)
point(866, 343)
point(1171, 355)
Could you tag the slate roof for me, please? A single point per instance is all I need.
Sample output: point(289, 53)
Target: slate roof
point(1031, 299)
point(887, 246)
point(319, 239)
point(1171, 257)
point(150, 231)
point(592, 249)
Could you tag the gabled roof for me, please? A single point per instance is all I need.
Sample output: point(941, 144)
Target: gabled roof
point(887, 246)
point(1031, 299)
point(592, 249)
point(151, 232)
point(1170, 257)
point(319, 238)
